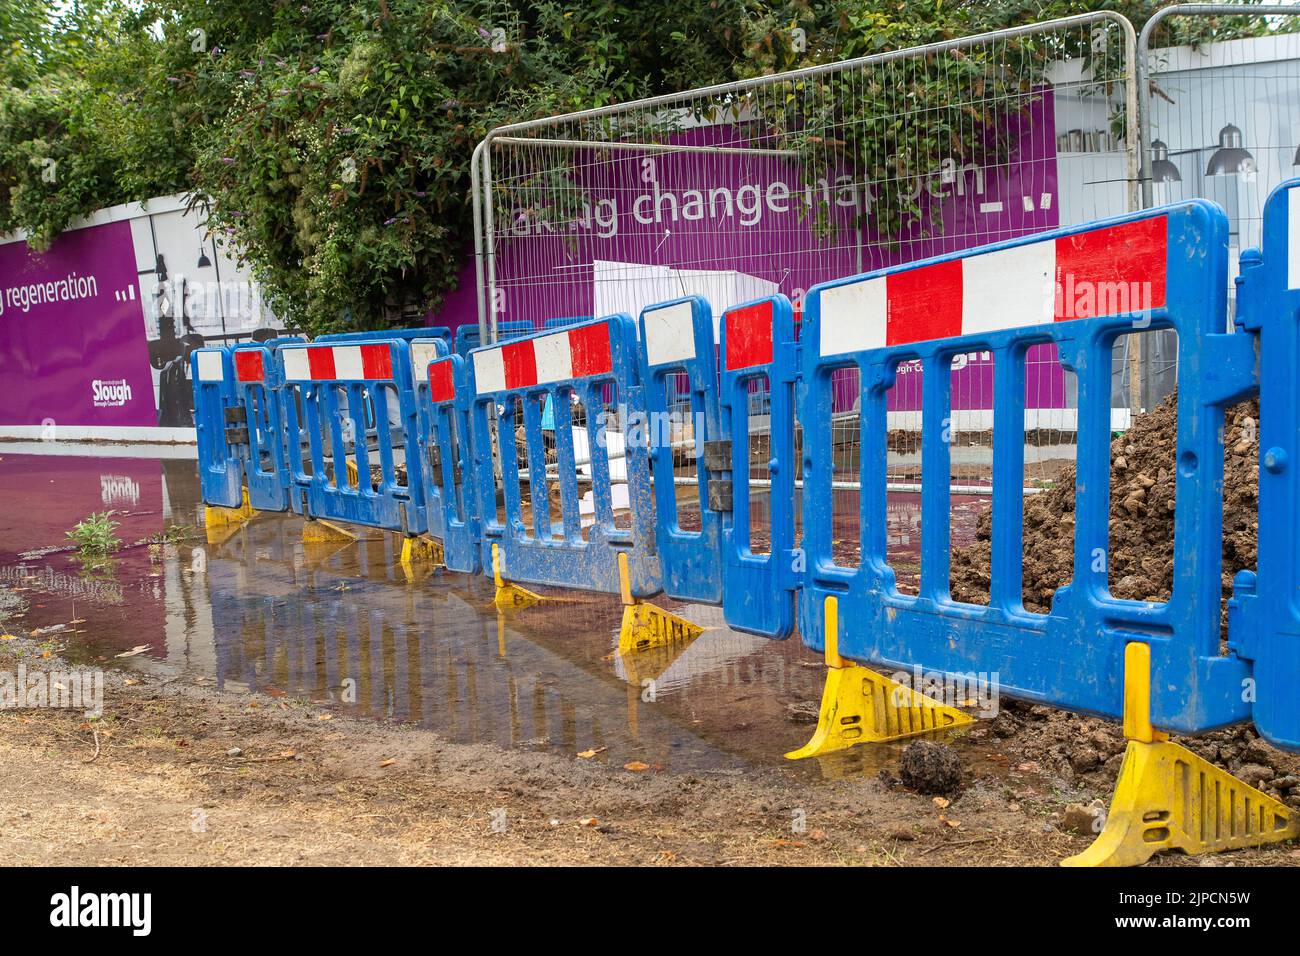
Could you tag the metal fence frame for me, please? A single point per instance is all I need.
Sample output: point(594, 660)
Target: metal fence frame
point(1144, 381)
point(1144, 67)
point(481, 162)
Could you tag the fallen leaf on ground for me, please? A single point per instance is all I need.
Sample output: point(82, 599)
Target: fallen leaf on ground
point(636, 766)
point(8, 637)
point(941, 802)
point(138, 649)
point(324, 716)
point(387, 763)
point(588, 754)
point(588, 822)
point(793, 843)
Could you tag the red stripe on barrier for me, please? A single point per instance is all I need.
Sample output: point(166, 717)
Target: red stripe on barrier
point(320, 361)
point(442, 387)
point(376, 361)
point(749, 336)
point(1112, 271)
point(519, 364)
point(248, 366)
point(589, 350)
point(924, 303)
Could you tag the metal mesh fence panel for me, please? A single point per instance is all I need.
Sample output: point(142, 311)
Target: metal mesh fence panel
point(1221, 121)
point(775, 184)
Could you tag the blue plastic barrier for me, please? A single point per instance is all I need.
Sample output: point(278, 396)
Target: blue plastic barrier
point(512, 381)
point(258, 385)
point(758, 348)
point(551, 324)
point(219, 427)
point(1003, 299)
point(1264, 616)
point(678, 349)
point(468, 339)
point(445, 392)
point(340, 395)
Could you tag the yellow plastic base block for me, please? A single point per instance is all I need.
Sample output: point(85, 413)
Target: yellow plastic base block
point(644, 625)
point(215, 516)
point(860, 706)
point(510, 595)
point(1168, 798)
point(316, 531)
point(422, 551)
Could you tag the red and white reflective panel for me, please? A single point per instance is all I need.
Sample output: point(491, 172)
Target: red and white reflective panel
point(340, 362)
point(568, 354)
point(248, 366)
point(442, 384)
point(422, 353)
point(1111, 271)
point(749, 336)
point(669, 334)
point(1293, 238)
point(210, 366)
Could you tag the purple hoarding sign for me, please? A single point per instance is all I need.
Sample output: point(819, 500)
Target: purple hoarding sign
point(72, 349)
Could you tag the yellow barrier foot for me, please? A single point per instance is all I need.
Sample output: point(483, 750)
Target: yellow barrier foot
point(423, 551)
point(1168, 798)
point(644, 625)
point(510, 595)
point(316, 531)
point(215, 516)
point(861, 706)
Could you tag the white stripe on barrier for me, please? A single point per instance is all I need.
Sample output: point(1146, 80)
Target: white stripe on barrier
point(1293, 237)
point(422, 353)
point(210, 367)
point(552, 357)
point(670, 334)
point(853, 317)
point(347, 362)
point(296, 366)
point(489, 372)
point(576, 352)
point(1009, 288)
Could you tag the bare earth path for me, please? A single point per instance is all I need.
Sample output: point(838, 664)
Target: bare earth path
point(309, 787)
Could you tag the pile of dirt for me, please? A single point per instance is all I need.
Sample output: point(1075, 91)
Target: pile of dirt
point(1087, 751)
point(1141, 517)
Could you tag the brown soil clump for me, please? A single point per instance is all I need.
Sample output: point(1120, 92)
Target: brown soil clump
point(1141, 517)
point(1087, 751)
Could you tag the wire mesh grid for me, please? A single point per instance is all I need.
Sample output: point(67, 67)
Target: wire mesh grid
point(1221, 122)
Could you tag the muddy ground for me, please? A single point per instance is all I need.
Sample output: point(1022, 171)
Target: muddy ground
point(174, 773)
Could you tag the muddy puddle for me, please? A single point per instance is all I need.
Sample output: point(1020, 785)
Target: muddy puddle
point(344, 626)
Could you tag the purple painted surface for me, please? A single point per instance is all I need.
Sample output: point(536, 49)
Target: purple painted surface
point(72, 343)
